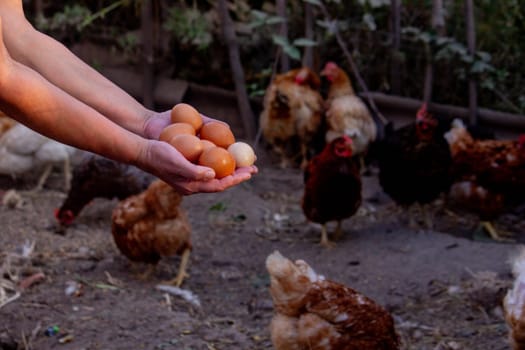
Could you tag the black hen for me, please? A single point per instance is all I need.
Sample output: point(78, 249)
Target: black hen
point(99, 177)
point(415, 161)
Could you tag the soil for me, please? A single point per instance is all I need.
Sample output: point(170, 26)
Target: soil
point(444, 286)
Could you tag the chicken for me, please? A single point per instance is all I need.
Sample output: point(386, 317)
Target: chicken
point(495, 167)
point(6, 123)
point(151, 225)
point(292, 115)
point(100, 177)
point(23, 150)
point(346, 113)
point(414, 164)
point(332, 186)
point(311, 312)
point(514, 304)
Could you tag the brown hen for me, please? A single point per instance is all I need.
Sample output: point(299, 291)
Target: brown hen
point(152, 225)
point(311, 312)
point(292, 115)
point(496, 168)
point(346, 113)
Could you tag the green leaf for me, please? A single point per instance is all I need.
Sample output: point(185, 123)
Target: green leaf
point(305, 42)
point(219, 206)
point(313, 2)
point(259, 15)
point(275, 20)
point(481, 67)
point(484, 56)
point(280, 40)
point(370, 22)
point(293, 52)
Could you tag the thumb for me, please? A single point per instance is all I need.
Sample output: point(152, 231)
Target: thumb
point(163, 160)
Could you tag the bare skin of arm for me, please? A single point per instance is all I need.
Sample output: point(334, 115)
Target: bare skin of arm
point(62, 68)
point(85, 110)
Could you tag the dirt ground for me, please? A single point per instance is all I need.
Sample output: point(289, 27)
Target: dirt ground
point(444, 287)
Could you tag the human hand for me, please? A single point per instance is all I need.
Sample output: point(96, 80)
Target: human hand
point(165, 162)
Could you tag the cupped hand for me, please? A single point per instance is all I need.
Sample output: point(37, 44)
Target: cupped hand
point(165, 162)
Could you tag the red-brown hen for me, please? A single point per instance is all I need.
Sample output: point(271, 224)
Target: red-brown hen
point(311, 312)
point(332, 186)
point(495, 168)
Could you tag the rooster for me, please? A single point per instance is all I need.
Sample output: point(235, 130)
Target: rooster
point(496, 168)
point(99, 177)
point(514, 304)
point(346, 113)
point(292, 114)
point(414, 163)
point(23, 150)
point(332, 186)
point(151, 225)
point(311, 312)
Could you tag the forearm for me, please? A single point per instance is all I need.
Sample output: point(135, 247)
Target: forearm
point(28, 97)
point(62, 68)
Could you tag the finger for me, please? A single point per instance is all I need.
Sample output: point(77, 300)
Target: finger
point(194, 172)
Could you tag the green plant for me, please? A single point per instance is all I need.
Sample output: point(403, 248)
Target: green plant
point(71, 18)
point(189, 26)
point(290, 48)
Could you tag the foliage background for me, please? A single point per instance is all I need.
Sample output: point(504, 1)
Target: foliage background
point(189, 43)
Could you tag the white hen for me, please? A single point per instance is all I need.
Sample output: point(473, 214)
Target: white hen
point(514, 303)
point(23, 150)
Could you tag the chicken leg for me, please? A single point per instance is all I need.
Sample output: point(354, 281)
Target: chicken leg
point(325, 242)
point(43, 178)
point(338, 233)
point(182, 274)
point(496, 235)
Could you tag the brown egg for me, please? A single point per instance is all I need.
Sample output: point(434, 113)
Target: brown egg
point(218, 133)
point(189, 145)
point(175, 129)
point(207, 144)
point(219, 160)
point(184, 113)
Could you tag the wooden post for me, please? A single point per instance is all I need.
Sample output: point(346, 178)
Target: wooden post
point(39, 9)
point(471, 45)
point(248, 118)
point(438, 24)
point(308, 55)
point(148, 55)
point(283, 31)
point(395, 68)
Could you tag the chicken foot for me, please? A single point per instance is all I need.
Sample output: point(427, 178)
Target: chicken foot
point(496, 235)
point(45, 175)
point(325, 242)
point(145, 275)
point(182, 274)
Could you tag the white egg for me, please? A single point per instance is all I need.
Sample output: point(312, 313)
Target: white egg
point(242, 153)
